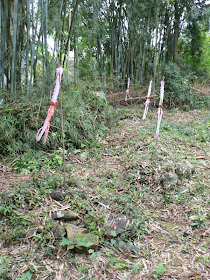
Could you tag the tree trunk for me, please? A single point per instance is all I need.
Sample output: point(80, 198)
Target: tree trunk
point(68, 60)
point(33, 46)
point(28, 40)
point(70, 30)
point(2, 46)
point(14, 48)
point(75, 58)
point(45, 35)
point(155, 56)
point(7, 42)
point(56, 38)
point(62, 33)
point(176, 30)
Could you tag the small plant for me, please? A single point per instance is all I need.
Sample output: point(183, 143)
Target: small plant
point(136, 268)
point(66, 242)
point(79, 243)
point(3, 267)
point(26, 276)
point(93, 254)
point(159, 271)
point(83, 242)
point(198, 220)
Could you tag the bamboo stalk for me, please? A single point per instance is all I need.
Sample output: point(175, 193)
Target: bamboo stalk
point(62, 33)
point(56, 37)
point(33, 46)
point(2, 46)
point(28, 40)
point(70, 30)
point(68, 62)
point(14, 48)
point(45, 34)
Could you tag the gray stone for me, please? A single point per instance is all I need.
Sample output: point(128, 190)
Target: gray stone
point(90, 241)
point(83, 241)
point(57, 229)
point(73, 231)
point(115, 225)
point(184, 170)
point(64, 215)
point(9, 195)
point(57, 196)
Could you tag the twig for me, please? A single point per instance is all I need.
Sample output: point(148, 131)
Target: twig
point(56, 202)
point(121, 251)
point(13, 162)
point(106, 206)
point(200, 157)
point(134, 98)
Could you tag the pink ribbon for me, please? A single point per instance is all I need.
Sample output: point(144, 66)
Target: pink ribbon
point(45, 128)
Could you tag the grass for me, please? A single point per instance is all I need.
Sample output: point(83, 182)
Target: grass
point(85, 117)
point(119, 174)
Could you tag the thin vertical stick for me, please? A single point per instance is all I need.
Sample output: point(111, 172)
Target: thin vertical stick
point(127, 94)
point(147, 101)
point(160, 107)
point(64, 162)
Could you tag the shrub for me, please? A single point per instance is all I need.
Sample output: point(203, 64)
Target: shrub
point(85, 116)
point(177, 90)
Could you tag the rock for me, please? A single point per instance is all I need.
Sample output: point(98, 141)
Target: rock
point(57, 196)
point(8, 196)
point(78, 223)
point(184, 170)
point(83, 241)
point(86, 241)
point(115, 225)
point(170, 180)
point(64, 215)
point(57, 229)
point(73, 231)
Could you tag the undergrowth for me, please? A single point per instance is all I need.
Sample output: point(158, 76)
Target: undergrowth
point(121, 175)
point(86, 115)
point(179, 91)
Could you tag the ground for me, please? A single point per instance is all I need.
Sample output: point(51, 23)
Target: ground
point(124, 174)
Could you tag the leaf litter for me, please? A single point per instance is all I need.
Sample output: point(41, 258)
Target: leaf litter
point(122, 176)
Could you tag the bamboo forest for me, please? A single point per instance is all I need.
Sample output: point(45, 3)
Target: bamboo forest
point(104, 139)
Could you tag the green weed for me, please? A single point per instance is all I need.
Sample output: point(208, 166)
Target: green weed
point(159, 271)
point(198, 220)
